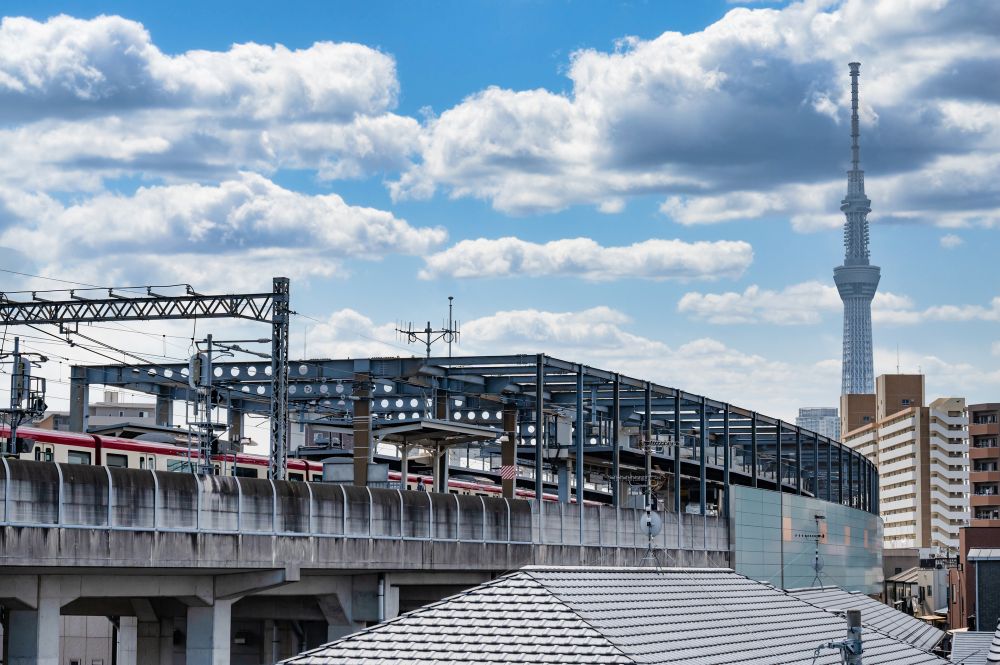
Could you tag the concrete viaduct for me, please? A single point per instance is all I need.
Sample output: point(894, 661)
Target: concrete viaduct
point(177, 559)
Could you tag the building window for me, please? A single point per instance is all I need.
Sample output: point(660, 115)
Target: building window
point(906, 402)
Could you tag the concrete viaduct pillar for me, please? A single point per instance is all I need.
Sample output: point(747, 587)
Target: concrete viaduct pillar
point(34, 633)
point(208, 633)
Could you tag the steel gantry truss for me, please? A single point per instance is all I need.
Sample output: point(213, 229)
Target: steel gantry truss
point(699, 445)
point(120, 305)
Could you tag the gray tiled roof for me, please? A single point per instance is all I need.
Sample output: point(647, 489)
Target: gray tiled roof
point(874, 614)
point(970, 647)
point(613, 615)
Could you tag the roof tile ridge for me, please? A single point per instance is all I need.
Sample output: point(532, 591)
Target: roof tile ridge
point(581, 618)
point(396, 619)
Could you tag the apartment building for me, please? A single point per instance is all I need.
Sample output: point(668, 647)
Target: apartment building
point(822, 420)
point(984, 458)
point(922, 457)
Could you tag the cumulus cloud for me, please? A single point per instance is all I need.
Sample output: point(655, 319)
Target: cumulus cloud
point(85, 99)
point(746, 118)
point(810, 302)
point(583, 257)
point(238, 227)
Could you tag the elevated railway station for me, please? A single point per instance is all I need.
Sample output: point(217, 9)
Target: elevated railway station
point(594, 425)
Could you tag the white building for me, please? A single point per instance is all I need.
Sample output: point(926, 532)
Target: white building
point(922, 454)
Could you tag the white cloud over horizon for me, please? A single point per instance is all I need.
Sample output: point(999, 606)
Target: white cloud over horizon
point(582, 257)
point(236, 229)
point(809, 302)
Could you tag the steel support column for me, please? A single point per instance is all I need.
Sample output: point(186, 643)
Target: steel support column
point(815, 470)
point(164, 408)
point(703, 470)
point(508, 449)
point(647, 435)
point(362, 427)
point(829, 470)
point(79, 399)
point(616, 485)
point(677, 453)
point(279, 380)
point(539, 434)
point(726, 451)
point(840, 475)
point(753, 449)
point(579, 441)
point(798, 460)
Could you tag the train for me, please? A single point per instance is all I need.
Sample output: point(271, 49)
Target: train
point(45, 445)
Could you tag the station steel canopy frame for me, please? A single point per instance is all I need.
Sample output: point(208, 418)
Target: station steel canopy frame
point(699, 439)
point(116, 307)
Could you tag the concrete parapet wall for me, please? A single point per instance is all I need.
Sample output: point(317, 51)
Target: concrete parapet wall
point(77, 515)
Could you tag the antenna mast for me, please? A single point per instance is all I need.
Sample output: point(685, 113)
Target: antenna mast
point(428, 336)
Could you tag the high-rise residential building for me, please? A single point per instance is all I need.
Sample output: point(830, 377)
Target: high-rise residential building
point(984, 458)
point(922, 457)
point(820, 419)
point(857, 279)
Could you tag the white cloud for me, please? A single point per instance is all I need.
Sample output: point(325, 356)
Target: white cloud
point(239, 227)
point(651, 259)
point(809, 302)
point(746, 118)
point(951, 241)
point(88, 99)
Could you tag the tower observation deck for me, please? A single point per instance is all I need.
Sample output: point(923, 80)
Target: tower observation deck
point(856, 279)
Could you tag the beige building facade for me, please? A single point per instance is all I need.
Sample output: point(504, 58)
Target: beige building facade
point(922, 454)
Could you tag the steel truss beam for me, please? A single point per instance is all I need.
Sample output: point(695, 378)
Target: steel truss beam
point(264, 307)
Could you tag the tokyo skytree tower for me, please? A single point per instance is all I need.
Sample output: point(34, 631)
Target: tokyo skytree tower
point(856, 280)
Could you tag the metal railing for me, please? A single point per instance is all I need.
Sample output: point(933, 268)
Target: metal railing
point(76, 496)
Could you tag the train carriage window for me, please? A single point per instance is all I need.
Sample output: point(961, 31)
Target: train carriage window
point(38, 454)
point(244, 472)
point(152, 464)
point(119, 461)
point(78, 457)
point(142, 462)
point(295, 476)
point(49, 455)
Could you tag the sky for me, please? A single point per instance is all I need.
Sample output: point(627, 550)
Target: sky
point(647, 187)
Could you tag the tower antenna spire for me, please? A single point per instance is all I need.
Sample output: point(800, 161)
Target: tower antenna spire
point(855, 132)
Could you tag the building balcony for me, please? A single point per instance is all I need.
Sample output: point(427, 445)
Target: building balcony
point(982, 500)
point(981, 429)
point(984, 453)
point(983, 476)
point(991, 523)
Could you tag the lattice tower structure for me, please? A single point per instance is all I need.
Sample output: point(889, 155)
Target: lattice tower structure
point(857, 280)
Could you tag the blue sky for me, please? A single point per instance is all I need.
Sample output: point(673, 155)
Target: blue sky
point(584, 182)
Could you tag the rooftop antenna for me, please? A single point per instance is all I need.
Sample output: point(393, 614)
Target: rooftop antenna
point(448, 333)
point(897, 357)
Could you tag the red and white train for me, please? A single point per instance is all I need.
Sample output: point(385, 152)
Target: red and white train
point(76, 448)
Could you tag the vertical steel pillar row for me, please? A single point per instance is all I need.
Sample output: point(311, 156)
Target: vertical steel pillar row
point(616, 485)
point(79, 399)
point(508, 450)
point(726, 451)
point(579, 441)
point(279, 379)
point(539, 434)
point(234, 414)
point(441, 465)
point(677, 453)
point(798, 460)
point(753, 449)
point(703, 444)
